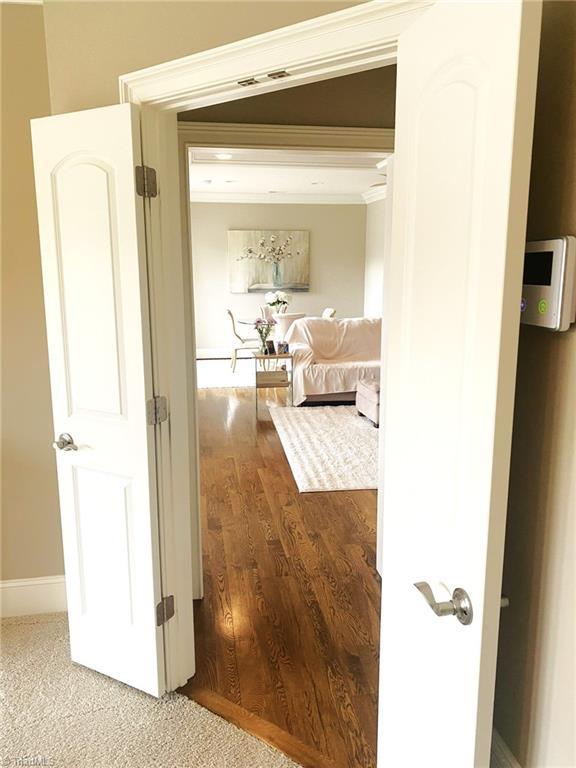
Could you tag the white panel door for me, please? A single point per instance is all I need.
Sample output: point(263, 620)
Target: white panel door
point(464, 117)
point(95, 292)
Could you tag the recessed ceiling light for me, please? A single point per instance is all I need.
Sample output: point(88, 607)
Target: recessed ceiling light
point(231, 181)
point(315, 183)
point(207, 181)
point(223, 156)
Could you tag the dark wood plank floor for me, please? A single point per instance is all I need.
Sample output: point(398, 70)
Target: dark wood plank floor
point(288, 628)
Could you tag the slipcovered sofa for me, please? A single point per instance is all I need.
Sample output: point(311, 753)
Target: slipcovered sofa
point(332, 355)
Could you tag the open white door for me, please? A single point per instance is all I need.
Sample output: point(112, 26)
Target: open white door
point(96, 296)
point(465, 109)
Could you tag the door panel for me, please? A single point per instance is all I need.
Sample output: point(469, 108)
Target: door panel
point(466, 90)
point(95, 288)
point(89, 285)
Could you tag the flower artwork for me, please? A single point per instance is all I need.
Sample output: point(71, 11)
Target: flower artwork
point(268, 260)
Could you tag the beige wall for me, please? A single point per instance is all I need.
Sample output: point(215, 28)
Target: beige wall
point(374, 264)
point(535, 702)
point(365, 100)
point(337, 234)
point(91, 43)
point(88, 45)
point(30, 523)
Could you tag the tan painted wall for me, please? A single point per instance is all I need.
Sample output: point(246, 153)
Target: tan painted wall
point(337, 234)
point(88, 45)
point(364, 100)
point(91, 43)
point(30, 524)
point(535, 702)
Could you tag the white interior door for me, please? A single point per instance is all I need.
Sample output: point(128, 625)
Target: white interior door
point(464, 116)
point(96, 296)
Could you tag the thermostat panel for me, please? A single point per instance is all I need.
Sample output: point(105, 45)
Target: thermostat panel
point(548, 290)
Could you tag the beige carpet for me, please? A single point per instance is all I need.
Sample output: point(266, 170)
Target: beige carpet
point(329, 448)
point(55, 713)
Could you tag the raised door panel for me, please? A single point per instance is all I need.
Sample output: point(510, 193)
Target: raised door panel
point(104, 529)
point(87, 243)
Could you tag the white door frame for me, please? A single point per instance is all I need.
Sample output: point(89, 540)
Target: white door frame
point(353, 40)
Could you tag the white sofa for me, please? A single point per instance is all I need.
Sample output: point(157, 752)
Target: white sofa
point(332, 355)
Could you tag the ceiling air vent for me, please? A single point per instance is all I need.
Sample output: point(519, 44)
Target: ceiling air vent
point(278, 75)
point(248, 81)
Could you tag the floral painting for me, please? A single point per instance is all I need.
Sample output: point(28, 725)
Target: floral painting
point(261, 260)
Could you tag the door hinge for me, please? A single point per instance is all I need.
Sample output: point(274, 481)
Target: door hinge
point(146, 185)
point(156, 410)
point(164, 610)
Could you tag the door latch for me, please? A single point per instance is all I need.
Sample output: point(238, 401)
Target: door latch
point(65, 442)
point(460, 605)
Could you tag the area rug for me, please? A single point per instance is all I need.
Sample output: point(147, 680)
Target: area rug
point(55, 713)
point(329, 448)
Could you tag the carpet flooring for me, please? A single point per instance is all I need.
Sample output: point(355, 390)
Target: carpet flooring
point(329, 448)
point(55, 713)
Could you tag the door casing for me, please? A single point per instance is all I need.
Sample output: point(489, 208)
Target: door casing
point(349, 41)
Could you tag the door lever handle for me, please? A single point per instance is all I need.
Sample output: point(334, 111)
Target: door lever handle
point(65, 442)
point(460, 605)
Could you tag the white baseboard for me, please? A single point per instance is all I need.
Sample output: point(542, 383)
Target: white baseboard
point(20, 597)
point(501, 755)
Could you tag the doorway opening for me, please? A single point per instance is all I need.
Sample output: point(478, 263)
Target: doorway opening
point(287, 634)
point(458, 234)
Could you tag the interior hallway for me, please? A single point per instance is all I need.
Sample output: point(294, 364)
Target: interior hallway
point(287, 634)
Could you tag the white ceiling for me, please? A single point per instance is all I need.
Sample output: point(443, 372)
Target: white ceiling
point(286, 176)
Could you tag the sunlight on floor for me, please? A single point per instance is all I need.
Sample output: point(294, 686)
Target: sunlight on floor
point(218, 373)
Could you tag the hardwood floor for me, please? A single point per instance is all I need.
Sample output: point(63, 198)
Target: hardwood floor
point(288, 630)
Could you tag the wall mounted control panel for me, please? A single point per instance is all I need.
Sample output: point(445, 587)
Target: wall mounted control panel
point(549, 284)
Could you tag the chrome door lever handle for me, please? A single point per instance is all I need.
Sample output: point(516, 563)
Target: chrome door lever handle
point(460, 605)
point(65, 442)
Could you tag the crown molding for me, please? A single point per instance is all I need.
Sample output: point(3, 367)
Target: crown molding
point(264, 198)
point(335, 44)
point(21, 2)
point(231, 135)
point(377, 193)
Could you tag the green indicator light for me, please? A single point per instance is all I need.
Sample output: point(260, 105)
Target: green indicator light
point(542, 306)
